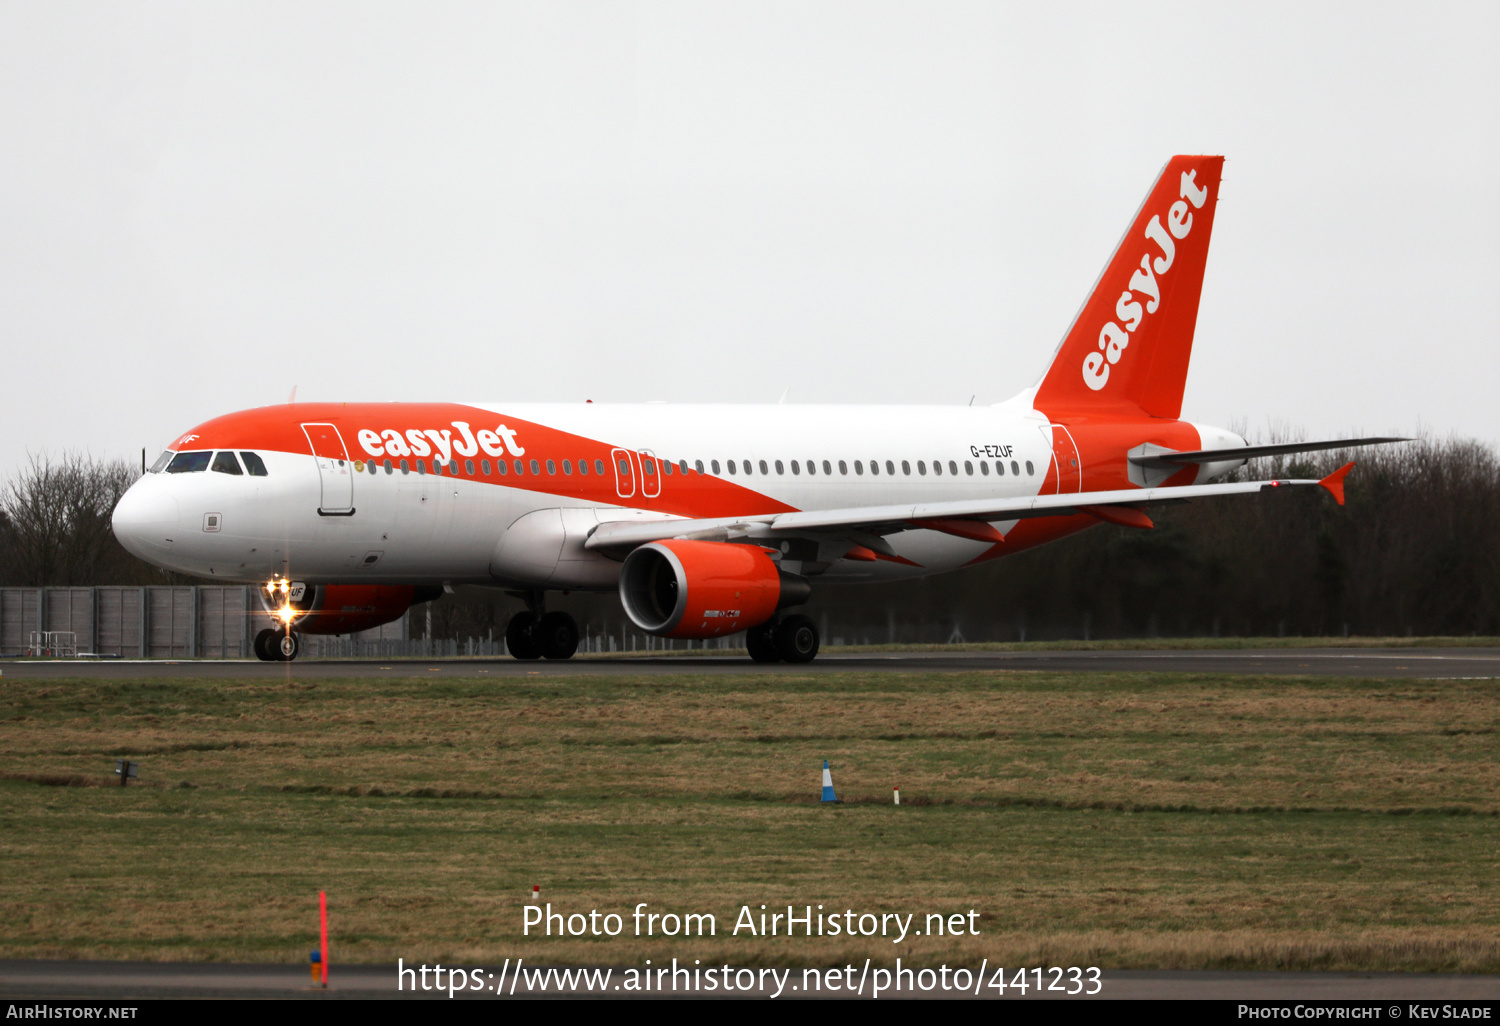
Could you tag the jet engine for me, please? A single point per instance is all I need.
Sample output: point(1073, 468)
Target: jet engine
point(700, 589)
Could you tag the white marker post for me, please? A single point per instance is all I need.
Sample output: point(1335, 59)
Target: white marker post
point(898, 794)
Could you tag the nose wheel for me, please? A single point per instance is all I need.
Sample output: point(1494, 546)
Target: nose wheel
point(277, 646)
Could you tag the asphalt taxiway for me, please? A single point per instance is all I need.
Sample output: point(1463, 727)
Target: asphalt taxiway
point(1429, 663)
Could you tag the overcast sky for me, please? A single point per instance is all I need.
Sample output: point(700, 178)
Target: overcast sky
point(202, 205)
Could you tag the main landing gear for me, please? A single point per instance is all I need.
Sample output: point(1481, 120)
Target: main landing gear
point(279, 646)
point(537, 634)
point(793, 639)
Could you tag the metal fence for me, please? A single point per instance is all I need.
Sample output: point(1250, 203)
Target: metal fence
point(202, 622)
point(220, 622)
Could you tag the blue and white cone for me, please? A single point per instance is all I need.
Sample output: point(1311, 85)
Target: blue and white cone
point(827, 784)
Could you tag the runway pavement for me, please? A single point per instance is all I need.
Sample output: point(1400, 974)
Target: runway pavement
point(1467, 663)
point(114, 981)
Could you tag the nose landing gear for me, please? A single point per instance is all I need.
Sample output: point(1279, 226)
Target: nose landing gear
point(277, 646)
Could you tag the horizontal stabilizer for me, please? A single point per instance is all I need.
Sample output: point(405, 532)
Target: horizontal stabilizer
point(1164, 460)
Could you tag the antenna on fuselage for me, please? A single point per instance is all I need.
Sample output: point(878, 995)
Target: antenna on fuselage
point(293, 397)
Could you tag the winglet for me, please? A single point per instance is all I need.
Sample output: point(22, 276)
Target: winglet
point(1335, 482)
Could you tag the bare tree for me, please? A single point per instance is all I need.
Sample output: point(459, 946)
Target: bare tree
point(55, 516)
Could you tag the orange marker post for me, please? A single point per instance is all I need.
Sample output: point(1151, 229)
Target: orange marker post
point(323, 932)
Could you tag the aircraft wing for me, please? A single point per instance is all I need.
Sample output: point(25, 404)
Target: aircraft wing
point(1120, 506)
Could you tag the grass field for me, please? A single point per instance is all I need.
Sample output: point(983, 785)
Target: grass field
point(1140, 820)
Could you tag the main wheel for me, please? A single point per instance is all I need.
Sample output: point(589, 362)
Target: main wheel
point(557, 636)
point(761, 641)
point(263, 646)
point(520, 636)
point(797, 639)
point(286, 646)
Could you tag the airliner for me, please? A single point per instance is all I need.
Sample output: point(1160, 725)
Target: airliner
point(707, 520)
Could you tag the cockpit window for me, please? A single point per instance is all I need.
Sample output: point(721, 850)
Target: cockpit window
point(254, 464)
point(162, 461)
point(225, 463)
point(189, 463)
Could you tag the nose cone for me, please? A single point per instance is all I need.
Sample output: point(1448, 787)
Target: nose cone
point(145, 519)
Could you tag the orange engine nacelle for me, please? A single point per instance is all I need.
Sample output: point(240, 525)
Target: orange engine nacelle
point(700, 589)
point(342, 608)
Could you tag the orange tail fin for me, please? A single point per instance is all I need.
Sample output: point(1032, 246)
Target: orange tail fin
point(1128, 348)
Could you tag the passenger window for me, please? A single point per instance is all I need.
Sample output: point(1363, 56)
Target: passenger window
point(682, 466)
point(874, 467)
point(921, 468)
point(500, 467)
point(404, 468)
point(536, 469)
point(551, 468)
point(468, 467)
point(1015, 468)
point(453, 467)
point(189, 463)
point(796, 469)
point(812, 467)
point(388, 466)
point(906, 468)
point(843, 468)
point(763, 468)
point(859, 468)
point(999, 468)
point(162, 461)
point(484, 465)
point(225, 463)
point(827, 467)
point(984, 468)
point(780, 470)
point(1030, 472)
point(715, 465)
point(624, 467)
point(698, 466)
point(437, 467)
point(937, 467)
point(583, 467)
point(666, 467)
point(599, 467)
point(953, 468)
point(521, 467)
point(968, 468)
point(747, 465)
point(730, 465)
point(421, 466)
point(649, 465)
